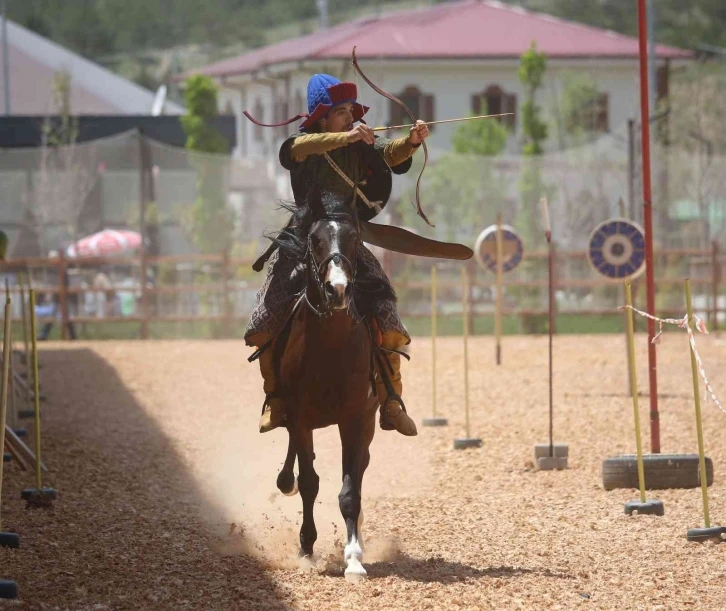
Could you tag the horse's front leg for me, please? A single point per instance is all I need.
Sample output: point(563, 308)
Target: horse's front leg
point(356, 439)
point(286, 482)
point(308, 483)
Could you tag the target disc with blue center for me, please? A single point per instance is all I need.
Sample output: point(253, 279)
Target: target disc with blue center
point(485, 248)
point(616, 249)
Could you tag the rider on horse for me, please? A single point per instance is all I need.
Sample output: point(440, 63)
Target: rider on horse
point(320, 156)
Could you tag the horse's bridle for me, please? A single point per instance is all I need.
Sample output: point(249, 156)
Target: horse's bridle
point(318, 269)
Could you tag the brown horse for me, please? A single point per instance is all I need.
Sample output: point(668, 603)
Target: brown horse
point(328, 363)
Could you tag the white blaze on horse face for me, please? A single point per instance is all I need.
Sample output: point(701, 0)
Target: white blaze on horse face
point(335, 277)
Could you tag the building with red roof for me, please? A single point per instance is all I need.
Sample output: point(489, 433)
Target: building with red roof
point(442, 61)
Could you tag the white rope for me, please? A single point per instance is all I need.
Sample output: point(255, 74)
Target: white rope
point(375, 205)
point(683, 324)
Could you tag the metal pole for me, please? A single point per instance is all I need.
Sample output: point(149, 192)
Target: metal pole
point(648, 227)
point(6, 60)
point(699, 423)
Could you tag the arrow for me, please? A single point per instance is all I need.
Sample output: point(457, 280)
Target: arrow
point(505, 114)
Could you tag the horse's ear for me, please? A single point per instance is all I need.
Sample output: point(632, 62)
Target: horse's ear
point(315, 202)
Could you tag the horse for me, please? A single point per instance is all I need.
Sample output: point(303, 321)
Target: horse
point(328, 360)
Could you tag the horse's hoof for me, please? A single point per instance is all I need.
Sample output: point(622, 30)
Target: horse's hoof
point(355, 573)
point(287, 483)
point(306, 562)
point(292, 492)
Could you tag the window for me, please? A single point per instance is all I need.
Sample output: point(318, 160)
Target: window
point(496, 101)
point(259, 115)
point(662, 81)
point(421, 105)
point(594, 113)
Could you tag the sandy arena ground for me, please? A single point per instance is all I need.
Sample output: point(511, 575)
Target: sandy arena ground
point(168, 499)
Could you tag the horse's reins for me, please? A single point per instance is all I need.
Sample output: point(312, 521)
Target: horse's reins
point(317, 269)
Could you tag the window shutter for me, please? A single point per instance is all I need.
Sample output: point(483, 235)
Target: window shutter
point(476, 104)
point(396, 113)
point(428, 110)
point(662, 82)
point(602, 118)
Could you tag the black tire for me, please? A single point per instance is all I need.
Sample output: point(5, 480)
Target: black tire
point(8, 589)
point(662, 471)
point(10, 540)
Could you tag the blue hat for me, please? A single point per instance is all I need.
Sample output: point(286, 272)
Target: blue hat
point(325, 92)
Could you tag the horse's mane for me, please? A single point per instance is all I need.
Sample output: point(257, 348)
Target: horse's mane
point(293, 240)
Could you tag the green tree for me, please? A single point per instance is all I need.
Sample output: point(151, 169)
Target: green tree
point(481, 137)
point(211, 222)
point(533, 65)
point(578, 106)
point(462, 187)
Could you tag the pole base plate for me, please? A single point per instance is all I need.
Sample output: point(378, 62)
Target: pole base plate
point(651, 507)
point(466, 443)
point(435, 422)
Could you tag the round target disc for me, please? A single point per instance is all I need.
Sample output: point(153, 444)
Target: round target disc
point(616, 249)
point(485, 248)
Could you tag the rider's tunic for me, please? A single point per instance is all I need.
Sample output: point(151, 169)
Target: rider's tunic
point(285, 277)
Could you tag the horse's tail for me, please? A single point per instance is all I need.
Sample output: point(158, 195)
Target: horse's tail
point(286, 480)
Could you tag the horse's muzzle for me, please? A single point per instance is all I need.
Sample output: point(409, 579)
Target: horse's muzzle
point(338, 294)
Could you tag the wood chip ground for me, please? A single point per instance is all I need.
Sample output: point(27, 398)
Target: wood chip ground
point(167, 495)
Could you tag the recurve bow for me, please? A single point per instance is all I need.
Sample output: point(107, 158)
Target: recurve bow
point(411, 116)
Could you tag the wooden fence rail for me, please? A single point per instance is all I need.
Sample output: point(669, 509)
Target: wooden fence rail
point(220, 272)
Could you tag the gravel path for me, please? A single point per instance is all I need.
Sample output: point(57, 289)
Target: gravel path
point(168, 499)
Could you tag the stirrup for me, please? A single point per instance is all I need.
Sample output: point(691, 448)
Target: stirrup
point(266, 422)
point(404, 424)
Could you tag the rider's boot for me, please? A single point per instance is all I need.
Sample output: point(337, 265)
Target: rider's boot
point(393, 414)
point(273, 413)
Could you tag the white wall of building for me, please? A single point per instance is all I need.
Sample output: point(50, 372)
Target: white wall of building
point(452, 83)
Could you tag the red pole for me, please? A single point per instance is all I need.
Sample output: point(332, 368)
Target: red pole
point(648, 226)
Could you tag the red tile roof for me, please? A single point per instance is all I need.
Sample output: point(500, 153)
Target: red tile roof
point(465, 29)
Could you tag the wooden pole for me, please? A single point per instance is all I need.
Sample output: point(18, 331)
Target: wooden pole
point(10, 355)
point(225, 291)
point(4, 387)
point(699, 423)
point(36, 393)
point(434, 332)
point(500, 290)
point(143, 172)
point(28, 368)
point(715, 279)
point(63, 295)
point(465, 320)
point(630, 334)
